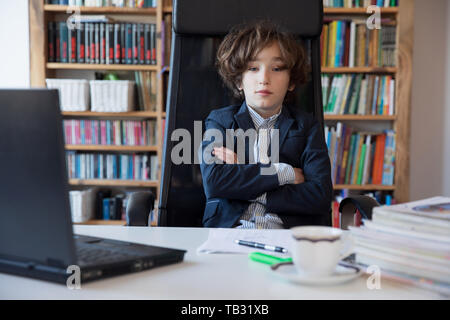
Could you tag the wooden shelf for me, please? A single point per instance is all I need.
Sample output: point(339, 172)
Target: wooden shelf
point(132, 114)
point(112, 148)
point(390, 10)
point(354, 117)
point(93, 66)
point(113, 182)
point(63, 9)
point(364, 187)
point(103, 222)
point(382, 70)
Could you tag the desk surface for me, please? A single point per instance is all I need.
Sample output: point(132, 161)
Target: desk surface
point(200, 276)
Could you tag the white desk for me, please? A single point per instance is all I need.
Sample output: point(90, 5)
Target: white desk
point(199, 276)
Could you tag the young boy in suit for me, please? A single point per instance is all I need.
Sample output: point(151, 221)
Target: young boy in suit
point(262, 65)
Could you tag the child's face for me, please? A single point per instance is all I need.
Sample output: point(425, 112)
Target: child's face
point(266, 81)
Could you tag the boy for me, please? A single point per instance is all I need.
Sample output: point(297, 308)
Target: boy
point(262, 65)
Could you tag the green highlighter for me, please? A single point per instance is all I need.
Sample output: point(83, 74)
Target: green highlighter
point(266, 258)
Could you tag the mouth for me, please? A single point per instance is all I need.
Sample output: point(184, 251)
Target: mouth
point(264, 92)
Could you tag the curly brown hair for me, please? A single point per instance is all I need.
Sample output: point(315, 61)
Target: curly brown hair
point(243, 43)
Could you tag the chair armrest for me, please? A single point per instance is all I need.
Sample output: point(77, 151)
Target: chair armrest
point(364, 204)
point(139, 206)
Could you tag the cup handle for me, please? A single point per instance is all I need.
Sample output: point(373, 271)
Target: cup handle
point(350, 249)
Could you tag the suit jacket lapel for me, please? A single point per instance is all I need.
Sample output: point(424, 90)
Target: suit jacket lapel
point(244, 122)
point(243, 118)
point(284, 122)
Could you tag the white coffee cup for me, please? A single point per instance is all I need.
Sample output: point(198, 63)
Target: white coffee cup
point(316, 250)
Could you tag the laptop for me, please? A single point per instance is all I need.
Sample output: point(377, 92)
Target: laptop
point(36, 234)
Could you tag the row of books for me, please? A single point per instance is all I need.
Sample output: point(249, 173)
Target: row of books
point(360, 157)
point(111, 166)
point(361, 94)
point(349, 43)
point(98, 204)
point(110, 132)
point(106, 3)
point(408, 242)
point(359, 3)
point(113, 208)
point(146, 84)
point(102, 43)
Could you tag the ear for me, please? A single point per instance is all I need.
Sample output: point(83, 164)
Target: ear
point(291, 87)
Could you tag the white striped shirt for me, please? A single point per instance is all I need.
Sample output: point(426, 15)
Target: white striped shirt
point(256, 217)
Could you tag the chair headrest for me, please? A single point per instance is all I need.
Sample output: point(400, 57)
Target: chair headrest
point(216, 17)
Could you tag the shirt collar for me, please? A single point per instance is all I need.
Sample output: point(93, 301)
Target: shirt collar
point(258, 120)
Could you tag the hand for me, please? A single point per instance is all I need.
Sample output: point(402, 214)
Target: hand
point(226, 155)
point(299, 177)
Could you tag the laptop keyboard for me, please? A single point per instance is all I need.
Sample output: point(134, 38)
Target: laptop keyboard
point(94, 255)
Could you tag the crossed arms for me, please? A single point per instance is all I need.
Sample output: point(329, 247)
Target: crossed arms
point(310, 191)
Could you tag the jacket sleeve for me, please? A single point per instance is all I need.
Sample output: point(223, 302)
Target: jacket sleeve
point(231, 181)
point(315, 194)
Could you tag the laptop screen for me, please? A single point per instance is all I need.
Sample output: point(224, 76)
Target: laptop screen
point(35, 221)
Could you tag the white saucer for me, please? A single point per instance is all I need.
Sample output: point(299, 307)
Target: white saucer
point(342, 274)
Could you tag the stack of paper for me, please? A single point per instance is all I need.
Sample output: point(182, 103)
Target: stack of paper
point(222, 240)
point(409, 242)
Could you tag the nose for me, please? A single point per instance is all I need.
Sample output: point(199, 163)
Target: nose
point(264, 76)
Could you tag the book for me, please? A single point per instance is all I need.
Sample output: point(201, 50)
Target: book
point(91, 43)
point(63, 42)
point(345, 155)
point(117, 44)
point(51, 44)
point(129, 43)
point(357, 160)
point(153, 42)
point(134, 44)
point(410, 240)
point(431, 208)
point(102, 43)
point(81, 41)
point(123, 43)
point(141, 46)
point(349, 165)
point(362, 158)
point(378, 159)
point(72, 45)
point(147, 52)
point(389, 159)
point(367, 160)
point(110, 43)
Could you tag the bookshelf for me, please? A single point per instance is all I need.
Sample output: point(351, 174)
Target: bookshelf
point(40, 14)
point(401, 71)
point(40, 69)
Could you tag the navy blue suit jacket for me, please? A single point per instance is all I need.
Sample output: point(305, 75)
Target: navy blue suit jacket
point(230, 187)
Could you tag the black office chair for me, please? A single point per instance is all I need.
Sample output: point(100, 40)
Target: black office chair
point(195, 87)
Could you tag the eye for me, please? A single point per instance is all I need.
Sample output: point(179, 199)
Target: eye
point(279, 68)
point(252, 69)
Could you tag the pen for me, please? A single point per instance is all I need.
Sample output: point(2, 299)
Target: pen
point(260, 246)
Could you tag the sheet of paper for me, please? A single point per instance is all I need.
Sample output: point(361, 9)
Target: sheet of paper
point(222, 240)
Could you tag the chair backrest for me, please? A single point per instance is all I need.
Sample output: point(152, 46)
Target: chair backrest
point(195, 88)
